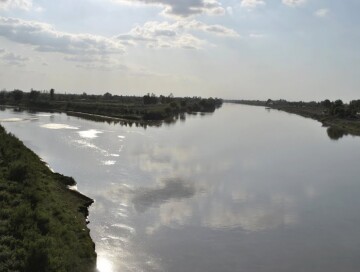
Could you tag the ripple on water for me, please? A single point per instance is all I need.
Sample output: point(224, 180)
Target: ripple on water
point(115, 240)
point(11, 120)
point(86, 144)
point(121, 148)
point(16, 119)
point(123, 229)
point(44, 115)
point(121, 212)
point(108, 162)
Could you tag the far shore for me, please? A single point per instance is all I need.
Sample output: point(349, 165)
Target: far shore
point(144, 110)
point(338, 124)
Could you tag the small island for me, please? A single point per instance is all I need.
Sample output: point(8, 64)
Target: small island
point(148, 109)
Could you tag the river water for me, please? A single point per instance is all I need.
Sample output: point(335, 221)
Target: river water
point(243, 189)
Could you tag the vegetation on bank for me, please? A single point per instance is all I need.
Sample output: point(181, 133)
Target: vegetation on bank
point(42, 223)
point(340, 118)
point(147, 108)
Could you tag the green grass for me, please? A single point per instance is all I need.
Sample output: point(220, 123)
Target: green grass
point(42, 223)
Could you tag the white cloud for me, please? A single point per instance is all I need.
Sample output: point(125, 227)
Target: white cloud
point(12, 58)
point(294, 3)
point(90, 58)
point(112, 65)
point(16, 4)
point(250, 4)
point(97, 62)
point(182, 8)
point(45, 38)
point(194, 25)
point(322, 13)
point(188, 41)
point(173, 35)
point(103, 66)
point(96, 52)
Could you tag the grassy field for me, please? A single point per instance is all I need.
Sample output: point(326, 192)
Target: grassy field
point(42, 223)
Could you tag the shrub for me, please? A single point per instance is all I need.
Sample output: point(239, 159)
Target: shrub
point(18, 171)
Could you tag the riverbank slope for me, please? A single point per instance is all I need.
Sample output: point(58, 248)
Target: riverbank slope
point(42, 222)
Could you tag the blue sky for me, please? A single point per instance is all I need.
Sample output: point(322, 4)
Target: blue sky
point(252, 49)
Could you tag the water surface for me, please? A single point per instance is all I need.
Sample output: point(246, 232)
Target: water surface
point(243, 189)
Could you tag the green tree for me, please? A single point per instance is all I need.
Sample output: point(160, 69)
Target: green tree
point(34, 95)
point(52, 94)
point(18, 95)
point(326, 103)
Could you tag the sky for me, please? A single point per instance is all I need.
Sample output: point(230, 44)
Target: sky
point(233, 49)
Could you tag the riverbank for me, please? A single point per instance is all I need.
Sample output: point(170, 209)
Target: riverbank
point(337, 126)
point(42, 223)
point(343, 126)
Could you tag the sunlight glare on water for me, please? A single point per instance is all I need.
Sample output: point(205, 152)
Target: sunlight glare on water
point(58, 126)
point(103, 264)
point(90, 134)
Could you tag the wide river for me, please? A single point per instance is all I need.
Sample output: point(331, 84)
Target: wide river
point(243, 190)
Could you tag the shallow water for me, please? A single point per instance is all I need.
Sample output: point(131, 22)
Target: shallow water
point(244, 189)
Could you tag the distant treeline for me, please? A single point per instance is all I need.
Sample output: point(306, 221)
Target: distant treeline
point(340, 118)
point(42, 223)
point(145, 108)
point(335, 108)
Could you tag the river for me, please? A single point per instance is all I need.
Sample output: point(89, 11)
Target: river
point(243, 189)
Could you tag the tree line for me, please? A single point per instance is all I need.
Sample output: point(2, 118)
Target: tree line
point(147, 107)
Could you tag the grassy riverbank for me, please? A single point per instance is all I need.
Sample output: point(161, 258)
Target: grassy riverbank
point(131, 108)
point(42, 223)
point(340, 118)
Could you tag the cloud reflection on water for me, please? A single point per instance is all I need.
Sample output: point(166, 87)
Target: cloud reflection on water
point(58, 126)
point(177, 196)
point(170, 190)
point(234, 204)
